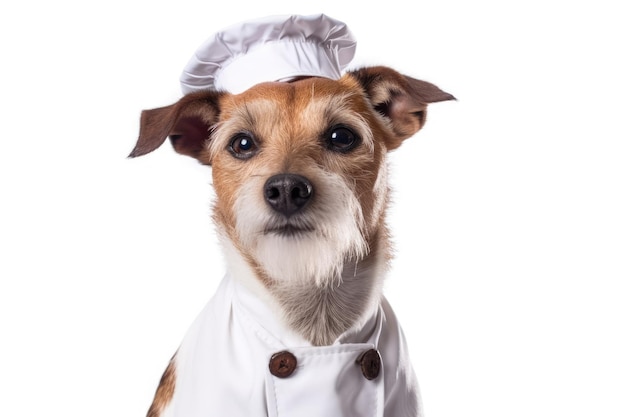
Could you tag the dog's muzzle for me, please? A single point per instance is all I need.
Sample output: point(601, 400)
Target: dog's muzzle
point(288, 193)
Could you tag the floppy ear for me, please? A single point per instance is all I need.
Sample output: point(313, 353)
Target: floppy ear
point(399, 98)
point(187, 123)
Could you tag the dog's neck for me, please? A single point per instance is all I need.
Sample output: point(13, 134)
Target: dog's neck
point(319, 314)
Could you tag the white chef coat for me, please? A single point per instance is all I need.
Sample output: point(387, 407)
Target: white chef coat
point(222, 366)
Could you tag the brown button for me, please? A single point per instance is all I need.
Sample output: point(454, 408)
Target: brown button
point(282, 364)
point(370, 363)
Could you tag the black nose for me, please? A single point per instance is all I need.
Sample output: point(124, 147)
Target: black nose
point(288, 193)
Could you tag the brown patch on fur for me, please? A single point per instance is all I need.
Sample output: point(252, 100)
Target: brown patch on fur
point(165, 391)
point(401, 99)
point(186, 122)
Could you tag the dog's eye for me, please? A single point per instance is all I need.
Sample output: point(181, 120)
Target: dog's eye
point(342, 139)
point(242, 146)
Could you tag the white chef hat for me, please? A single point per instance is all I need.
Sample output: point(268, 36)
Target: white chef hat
point(276, 48)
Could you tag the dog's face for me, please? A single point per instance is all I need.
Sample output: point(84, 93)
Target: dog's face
point(299, 176)
point(299, 168)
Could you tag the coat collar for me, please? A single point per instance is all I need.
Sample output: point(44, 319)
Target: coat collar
point(265, 322)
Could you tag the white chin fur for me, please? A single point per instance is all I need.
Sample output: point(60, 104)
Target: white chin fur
point(313, 256)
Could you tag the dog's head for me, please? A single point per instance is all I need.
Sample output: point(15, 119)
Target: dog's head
point(299, 168)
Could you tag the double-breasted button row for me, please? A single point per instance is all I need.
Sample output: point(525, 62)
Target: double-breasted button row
point(283, 364)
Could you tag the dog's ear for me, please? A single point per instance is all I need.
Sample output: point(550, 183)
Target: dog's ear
point(186, 122)
point(399, 98)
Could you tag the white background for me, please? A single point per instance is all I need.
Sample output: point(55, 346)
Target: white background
point(508, 209)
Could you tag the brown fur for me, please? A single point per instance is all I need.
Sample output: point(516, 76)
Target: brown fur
point(165, 391)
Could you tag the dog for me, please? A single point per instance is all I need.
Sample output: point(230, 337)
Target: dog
point(299, 326)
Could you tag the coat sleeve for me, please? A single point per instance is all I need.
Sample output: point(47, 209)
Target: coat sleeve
point(402, 397)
